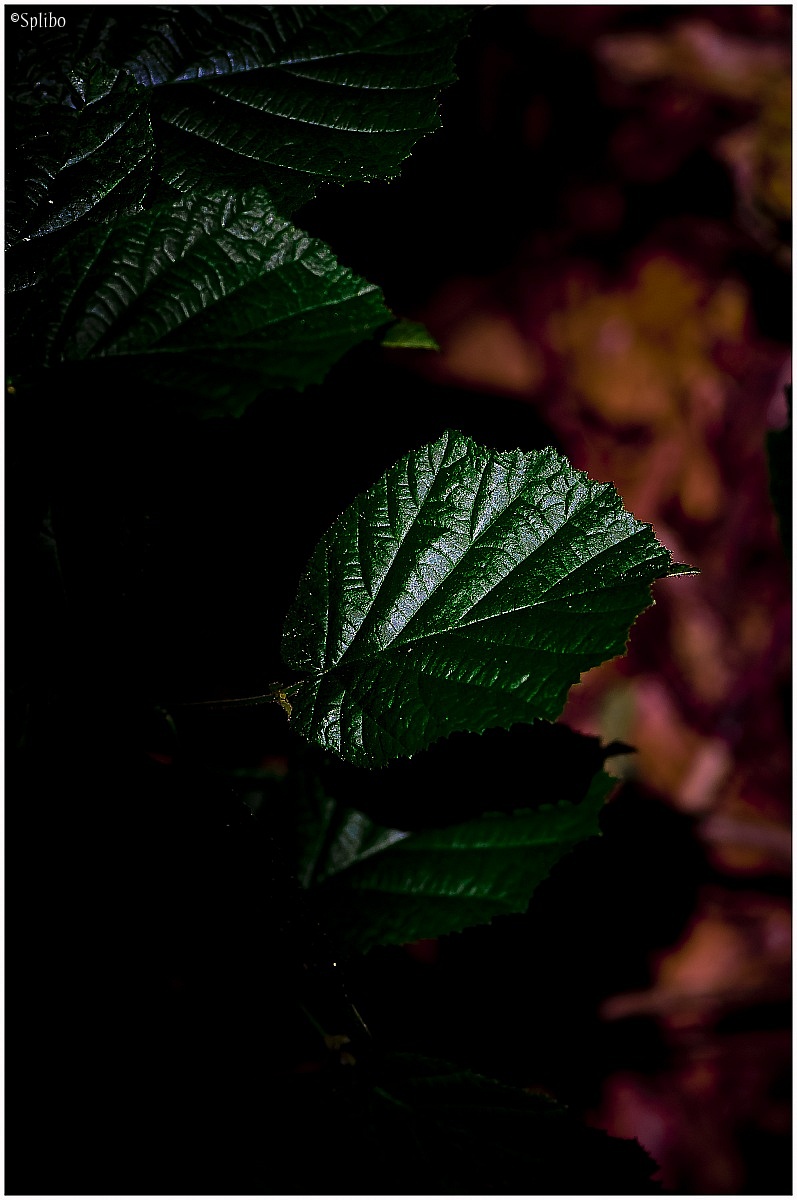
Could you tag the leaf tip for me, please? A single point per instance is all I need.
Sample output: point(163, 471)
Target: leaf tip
point(408, 335)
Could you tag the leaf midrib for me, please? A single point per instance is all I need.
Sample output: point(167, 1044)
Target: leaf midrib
point(275, 112)
point(401, 639)
point(523, 844)
point(539, 603)
point(156, 348)
point(265, 157)
point(271, 325)
point(387, 651)
point(461, 897)
point(306, 58)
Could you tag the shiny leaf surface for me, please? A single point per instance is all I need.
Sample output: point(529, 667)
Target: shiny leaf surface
point(302, 94)
point(282, 96)
point(215, 296)
point(74, 167)
point(467, 589)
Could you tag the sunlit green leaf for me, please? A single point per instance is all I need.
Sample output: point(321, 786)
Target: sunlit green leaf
point(467, 589)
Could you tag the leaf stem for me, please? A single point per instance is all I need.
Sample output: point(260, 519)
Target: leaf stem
point(238, 702)
point(276, 695)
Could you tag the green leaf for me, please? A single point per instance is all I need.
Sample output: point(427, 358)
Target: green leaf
point(214, 296)
point(75, 167)
point(283, 96)
point(343, 837)
point(423, 885)
point(409, 335)
point(468, 588)
point(98, 164)
point(307, 94)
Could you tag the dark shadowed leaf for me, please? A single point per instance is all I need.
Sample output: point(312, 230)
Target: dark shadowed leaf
point(465, 774)
point(429, 1126)
point(75, 166)
point(282, 96)
point(467, 589)
point(379, 884)
point(215, 296)
point(378, 889)
point(299, 95)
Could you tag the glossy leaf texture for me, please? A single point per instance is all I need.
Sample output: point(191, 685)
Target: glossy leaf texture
point(75, 166)
point(430, 1124)
point(467, 589)
point(380, 886)
point(216, 297)
point(282, 96)
point(325, 92)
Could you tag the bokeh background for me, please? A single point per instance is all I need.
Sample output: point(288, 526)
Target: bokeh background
point(599, 239)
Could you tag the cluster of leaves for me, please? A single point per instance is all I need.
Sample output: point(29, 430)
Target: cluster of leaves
point(161, 155)
point(156, 175)
point(450, 865)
